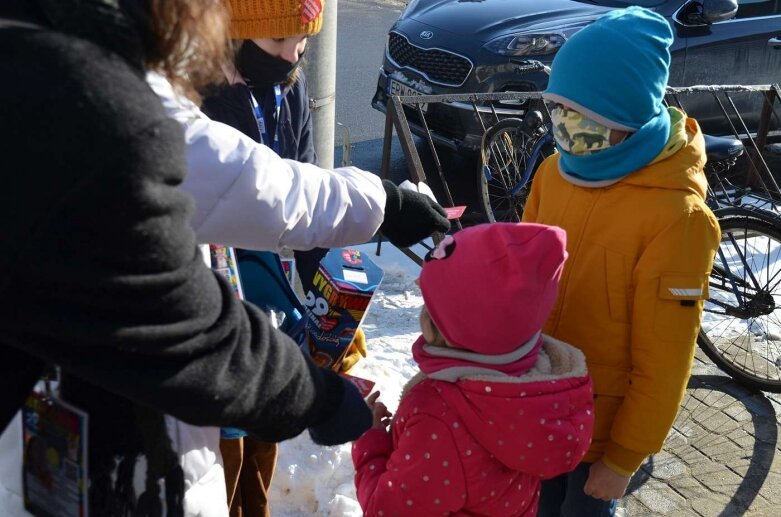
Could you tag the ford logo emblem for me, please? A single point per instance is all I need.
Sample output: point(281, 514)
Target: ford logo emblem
point(426, 35)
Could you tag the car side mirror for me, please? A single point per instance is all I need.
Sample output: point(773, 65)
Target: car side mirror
point(707, 12)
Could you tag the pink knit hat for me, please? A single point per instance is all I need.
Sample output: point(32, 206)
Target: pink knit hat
point(489, 288)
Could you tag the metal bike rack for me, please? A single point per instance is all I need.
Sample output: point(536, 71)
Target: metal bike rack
point(760, 174)
point(396, 118)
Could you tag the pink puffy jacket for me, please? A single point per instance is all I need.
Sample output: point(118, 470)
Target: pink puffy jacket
point(479, 445)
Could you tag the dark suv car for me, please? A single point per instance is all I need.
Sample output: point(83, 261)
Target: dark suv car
point(482, 46)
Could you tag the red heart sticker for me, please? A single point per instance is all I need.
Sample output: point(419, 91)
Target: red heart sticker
point(454, 212)
point(364, 385)
point(310, 9)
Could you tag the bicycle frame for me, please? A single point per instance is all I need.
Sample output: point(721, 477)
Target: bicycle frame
point(733, 278)
point(724, 270)
point(541, 142)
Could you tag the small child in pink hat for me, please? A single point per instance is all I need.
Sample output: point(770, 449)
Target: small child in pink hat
point(497, 407)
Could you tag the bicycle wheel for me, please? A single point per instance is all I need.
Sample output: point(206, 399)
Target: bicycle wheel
point(507, 147)
point(741, 325)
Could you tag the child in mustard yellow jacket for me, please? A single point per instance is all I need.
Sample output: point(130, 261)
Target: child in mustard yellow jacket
point(628, 187)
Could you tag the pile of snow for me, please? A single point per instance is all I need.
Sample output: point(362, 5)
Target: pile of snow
point(313, 480)
point(10, 470)
point(310, 480)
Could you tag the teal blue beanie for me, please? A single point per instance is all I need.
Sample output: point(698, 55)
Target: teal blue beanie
point(615, 72)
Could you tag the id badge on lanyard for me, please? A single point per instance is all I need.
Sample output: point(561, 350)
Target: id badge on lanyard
point(265, 138)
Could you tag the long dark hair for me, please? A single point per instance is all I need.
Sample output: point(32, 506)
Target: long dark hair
point(185, 40)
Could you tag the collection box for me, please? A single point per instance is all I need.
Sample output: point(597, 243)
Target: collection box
point(336, 303)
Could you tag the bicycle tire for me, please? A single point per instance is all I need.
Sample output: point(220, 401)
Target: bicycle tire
point(741, 324)
point(506, 149)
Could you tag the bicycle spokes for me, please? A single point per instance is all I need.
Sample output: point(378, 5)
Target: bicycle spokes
point(510, 154)
point(741, 327)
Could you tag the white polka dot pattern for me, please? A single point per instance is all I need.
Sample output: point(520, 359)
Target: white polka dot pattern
point(472, 447)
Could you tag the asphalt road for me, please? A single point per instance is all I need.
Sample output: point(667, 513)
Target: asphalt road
point(362, 31)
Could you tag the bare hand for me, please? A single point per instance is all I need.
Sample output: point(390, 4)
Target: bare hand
point(380, 413)
point(603, 483)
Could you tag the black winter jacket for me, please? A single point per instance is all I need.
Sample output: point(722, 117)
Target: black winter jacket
point(230, 104)
point(100, 272)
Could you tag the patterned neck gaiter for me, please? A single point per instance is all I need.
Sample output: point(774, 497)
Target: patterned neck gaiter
point(576, 133)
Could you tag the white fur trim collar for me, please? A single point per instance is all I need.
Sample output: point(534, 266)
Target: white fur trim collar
point(556, 360)
point(475, 357)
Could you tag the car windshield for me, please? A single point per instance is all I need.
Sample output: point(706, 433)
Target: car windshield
point(623, 3)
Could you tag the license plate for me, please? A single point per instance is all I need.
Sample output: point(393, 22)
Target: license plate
point(402, 90)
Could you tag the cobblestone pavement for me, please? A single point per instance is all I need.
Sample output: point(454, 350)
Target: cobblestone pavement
point(722, 458)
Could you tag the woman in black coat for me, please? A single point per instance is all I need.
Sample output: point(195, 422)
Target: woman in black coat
point(101, 274)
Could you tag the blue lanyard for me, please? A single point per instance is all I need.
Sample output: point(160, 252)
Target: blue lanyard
point(261, 120)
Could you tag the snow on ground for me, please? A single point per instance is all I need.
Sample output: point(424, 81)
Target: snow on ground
point(10, 470)
point(310, 480)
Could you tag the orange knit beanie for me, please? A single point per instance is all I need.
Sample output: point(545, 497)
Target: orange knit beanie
point(251, 19)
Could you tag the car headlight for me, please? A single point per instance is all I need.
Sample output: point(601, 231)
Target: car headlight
point(531, 43)
point(408, 9)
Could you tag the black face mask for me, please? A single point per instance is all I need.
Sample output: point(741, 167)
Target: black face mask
point(260, 69)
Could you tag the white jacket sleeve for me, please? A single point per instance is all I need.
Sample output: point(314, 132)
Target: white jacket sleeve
point(247, 196)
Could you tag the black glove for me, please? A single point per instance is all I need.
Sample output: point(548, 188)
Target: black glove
point(410, 216)
point(352, 418)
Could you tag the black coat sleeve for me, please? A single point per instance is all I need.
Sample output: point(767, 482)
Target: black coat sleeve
point(101, 272)
point(18, 374)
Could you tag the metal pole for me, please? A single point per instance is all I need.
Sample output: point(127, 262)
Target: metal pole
point(320, 69)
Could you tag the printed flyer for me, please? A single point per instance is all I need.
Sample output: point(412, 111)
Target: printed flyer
point(289, 267)
point(223, 261)
point(54, 466)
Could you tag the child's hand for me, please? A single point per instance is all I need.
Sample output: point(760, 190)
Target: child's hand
point(603, 483)
point(380, 413)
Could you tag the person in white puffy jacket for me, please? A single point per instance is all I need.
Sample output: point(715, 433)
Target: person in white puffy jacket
point(247, 196)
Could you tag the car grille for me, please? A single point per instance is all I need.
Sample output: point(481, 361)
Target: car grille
point(438, 66)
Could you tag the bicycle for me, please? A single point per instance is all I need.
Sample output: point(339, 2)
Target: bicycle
point(511, 150)
point(741, 327)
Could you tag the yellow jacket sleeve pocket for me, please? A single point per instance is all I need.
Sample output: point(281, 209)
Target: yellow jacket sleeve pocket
point(679, 307)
